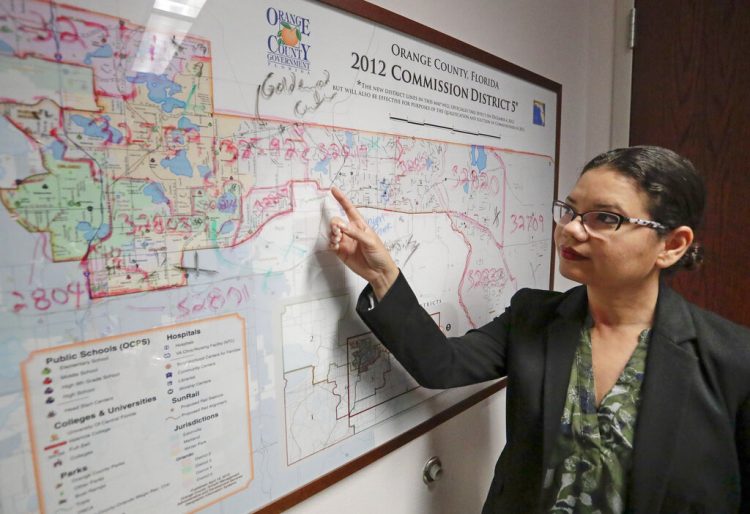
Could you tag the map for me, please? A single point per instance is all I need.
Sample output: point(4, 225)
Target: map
point(130, 202)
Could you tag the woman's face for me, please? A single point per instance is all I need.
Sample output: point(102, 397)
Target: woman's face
point(619, 258)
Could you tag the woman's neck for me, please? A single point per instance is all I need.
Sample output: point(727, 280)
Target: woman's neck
point(622, 307)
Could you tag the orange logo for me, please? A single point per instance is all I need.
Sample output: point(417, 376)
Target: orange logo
point(286, 47)
point(288, 35)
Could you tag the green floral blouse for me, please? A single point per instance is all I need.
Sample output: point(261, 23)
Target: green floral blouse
point(592, 457)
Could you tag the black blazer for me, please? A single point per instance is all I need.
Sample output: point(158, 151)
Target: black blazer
point(692, 439)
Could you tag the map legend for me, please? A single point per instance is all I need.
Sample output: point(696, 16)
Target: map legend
point(163, 392)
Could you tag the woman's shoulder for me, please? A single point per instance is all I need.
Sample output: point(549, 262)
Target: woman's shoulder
point(728, 339)
point(723, 347)
point(532, 294)
point(719, 329)
point(543, 302)
point(720, 344)
point(528, 295)
point(681, 319)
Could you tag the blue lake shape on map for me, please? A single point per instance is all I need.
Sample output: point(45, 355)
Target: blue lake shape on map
point(204, 170)
point(103, 130)
point(179, 164)
point(227, 227)
point(160, 90)
point(349, 139)
point(156, 192)
point(90, 233)
point(322, 166)
point(478, 157)
point(227, 203)
point(13, 143)
point(102, 51)
point(5, 47)
point(57, 149)
point(184, 123)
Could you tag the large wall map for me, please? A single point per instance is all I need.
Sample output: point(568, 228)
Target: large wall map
point(165, 278)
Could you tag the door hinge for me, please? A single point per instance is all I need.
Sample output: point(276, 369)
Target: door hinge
point(631, 29)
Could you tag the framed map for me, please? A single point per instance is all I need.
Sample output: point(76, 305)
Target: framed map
point(176, 335)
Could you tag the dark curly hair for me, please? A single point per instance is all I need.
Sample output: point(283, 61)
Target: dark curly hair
point(675, 189)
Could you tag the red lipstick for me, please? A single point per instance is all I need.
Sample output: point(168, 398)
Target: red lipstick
point(569, 254)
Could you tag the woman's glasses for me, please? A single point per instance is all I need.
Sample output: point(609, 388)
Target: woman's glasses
point(597, 221)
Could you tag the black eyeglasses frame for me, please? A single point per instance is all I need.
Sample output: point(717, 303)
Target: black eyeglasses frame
point(621, 219)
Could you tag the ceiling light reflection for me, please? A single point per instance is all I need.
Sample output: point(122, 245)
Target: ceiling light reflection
point(187, 8)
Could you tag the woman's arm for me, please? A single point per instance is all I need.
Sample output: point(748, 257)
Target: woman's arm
point(400, 322)
point(434, 360)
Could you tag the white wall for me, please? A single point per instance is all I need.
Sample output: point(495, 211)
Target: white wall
point(573, 42)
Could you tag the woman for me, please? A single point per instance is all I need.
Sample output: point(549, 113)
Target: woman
point(621, 395)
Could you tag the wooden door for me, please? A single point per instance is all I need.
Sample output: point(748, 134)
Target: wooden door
point(691, 93)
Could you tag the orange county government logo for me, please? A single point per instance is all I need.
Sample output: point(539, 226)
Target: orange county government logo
point(288, 44)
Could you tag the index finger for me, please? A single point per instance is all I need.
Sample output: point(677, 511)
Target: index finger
point(351, 211)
